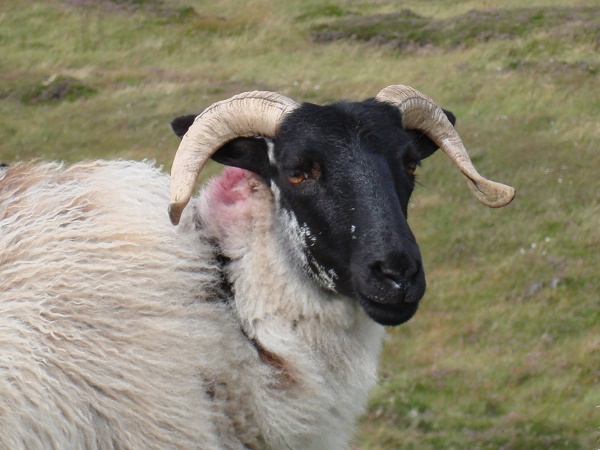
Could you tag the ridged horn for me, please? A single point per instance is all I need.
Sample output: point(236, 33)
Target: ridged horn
point(256, 113)
point(419, 112)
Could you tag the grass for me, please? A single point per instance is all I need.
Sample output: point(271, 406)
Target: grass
point(406, 29)
point(505, 350)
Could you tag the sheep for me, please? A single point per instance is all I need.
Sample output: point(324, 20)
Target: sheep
point(257, 321)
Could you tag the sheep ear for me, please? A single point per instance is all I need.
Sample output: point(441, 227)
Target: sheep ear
point(181, 124)
point(250, 153)
point(426, 146)
point(451, 117)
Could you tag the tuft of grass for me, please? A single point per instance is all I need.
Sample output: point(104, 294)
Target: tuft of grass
point(56, 88)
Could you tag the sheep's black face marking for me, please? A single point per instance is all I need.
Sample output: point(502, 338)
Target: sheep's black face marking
point(343, 175)
point(352, 216)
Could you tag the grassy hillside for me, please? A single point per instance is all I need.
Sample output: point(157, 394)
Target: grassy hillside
point(505, 350)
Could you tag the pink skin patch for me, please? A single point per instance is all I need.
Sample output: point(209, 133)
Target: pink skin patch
point(233, 185)
point(233, 201)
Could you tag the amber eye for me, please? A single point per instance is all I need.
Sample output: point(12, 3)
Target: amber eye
point(310, 172)
point(411, 168)
point(297, 176)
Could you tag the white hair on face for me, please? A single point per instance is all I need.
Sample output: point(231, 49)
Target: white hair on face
point(270, 151)
point(299, 238)
point(276, 192)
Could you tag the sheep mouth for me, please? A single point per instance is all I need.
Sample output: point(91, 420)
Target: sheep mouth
point(389, 314)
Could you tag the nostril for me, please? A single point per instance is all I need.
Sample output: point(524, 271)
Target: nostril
point(399, 271)
point(414, 270)
point(392, 275)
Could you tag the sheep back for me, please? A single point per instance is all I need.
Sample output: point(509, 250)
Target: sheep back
point(107, 312)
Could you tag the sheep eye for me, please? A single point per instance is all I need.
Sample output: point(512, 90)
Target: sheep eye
point(297, 176)
point(311, 172)
point(411, 168)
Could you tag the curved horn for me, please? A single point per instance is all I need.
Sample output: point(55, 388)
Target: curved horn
point(419, 112)
point(256, 113)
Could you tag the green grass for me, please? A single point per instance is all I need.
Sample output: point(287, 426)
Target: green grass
point(505, 350)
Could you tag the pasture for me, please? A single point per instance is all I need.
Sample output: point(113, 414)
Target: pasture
point(504, 352)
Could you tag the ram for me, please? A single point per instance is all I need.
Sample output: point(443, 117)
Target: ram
point(257, 321)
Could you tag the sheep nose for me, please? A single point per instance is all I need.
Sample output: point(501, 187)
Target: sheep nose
point(397, 272)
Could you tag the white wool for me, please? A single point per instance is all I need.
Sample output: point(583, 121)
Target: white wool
point(115, 332)
point(330, 346)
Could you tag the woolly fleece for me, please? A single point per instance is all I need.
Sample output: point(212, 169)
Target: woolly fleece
point(116, 333)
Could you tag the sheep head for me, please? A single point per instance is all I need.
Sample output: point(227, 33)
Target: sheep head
point(342, 176)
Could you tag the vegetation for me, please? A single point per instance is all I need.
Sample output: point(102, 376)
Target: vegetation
point(505, 350)
point(56, 88)
point(406, 28)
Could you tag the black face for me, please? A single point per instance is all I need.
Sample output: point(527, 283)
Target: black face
point(344, 175)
